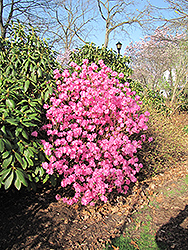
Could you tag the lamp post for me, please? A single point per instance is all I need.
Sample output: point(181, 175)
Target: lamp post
point(118, 45)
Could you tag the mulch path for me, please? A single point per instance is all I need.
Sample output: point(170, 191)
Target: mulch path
point(38, 221)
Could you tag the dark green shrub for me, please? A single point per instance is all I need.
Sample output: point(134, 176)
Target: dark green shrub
point(26, 65)
point(116, 62)
point(110, 57)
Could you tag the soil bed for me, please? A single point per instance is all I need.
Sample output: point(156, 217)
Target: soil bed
point(38, 221)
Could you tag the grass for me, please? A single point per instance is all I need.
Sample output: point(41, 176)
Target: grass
point(121, 243)
point(186, 129)
point(146, 241)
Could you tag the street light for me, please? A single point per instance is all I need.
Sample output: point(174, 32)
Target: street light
point(118, 45)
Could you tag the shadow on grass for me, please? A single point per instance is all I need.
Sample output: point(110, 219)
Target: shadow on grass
point(172, 235)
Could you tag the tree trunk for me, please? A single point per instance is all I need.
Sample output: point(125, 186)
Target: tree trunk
point(106, 39)
point(3, 32)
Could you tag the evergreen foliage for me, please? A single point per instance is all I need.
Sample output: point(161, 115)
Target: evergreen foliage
point(26, 65)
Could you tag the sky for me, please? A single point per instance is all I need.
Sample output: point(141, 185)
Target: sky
point(135, 34)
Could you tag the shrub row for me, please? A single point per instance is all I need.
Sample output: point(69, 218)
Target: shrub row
point(26, 66)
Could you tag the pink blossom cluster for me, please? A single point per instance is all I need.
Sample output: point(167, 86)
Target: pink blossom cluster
point(91, 118)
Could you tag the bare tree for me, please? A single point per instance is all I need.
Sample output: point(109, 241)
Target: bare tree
point(70, 22)
point(27, 11)
point(160, 62)
point(120, 14)
point(180, 9)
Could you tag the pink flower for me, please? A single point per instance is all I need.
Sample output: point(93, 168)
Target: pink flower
point(114, 73)
point(58, 197)
point(45, 165)
point(150, 139)
point(56, 71)
point(103, 198)
point(121, 75)
point(45, 106)
point(85, 61)
point(90, 135)
point(34, 133)
point(147, 113)
point(143, 137)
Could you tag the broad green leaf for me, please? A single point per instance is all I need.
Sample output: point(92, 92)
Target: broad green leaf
point(50, 89)
point(8, 145)
point(19, 158)
point(31, 67)
point(27, 153)
point(28, 159)
point(36, 178)
point(46, 96)
point(33, 149)
point(34, 118)
point(3, 130)
point(9, 180)
point(12, 121)
point(31, 152)
point(24, 134)
point(45, 179)
point(24, 108)
point(7, 161)
point(29, 177)
point(20, 174)
point(24, 165)
point(17, 183)
point(36, 170)
point(29, 124)
point(41, 171)
point(26, 85)
point(10, 103)
point(18, 130)
point(5, 154)
point(8, 70)
point(34, 77)
point(39, 72)
point(5, 173)
point(2, 146)
point(10, 134)
point(22, 102)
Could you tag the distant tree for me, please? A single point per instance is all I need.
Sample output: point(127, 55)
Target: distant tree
point(160, 61)
point(27, 11)
point(120, 14)
point(180, 9)
point(69, 22)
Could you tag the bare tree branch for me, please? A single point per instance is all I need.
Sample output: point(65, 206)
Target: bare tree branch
point(24, 9)
point(119, 14)
point(72, 19)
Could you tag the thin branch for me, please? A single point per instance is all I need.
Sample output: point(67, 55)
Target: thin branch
point(100, 10)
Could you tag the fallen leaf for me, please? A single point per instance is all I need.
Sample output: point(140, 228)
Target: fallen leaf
point(138, 225)
point(134, 244)
point(115, 248)
point(76, 207)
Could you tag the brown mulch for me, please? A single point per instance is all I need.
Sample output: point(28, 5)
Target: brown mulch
point(38, 221)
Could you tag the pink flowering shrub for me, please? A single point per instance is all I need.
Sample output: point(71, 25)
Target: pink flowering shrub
point(91, 118)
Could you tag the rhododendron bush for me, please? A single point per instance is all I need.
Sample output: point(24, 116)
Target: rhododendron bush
point(91, 118)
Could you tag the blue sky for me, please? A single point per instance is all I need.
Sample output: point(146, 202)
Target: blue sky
point(135, 34)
